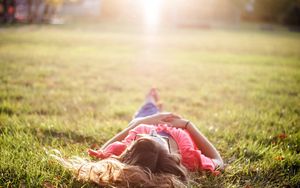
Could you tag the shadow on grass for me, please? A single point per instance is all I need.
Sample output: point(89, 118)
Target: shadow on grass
point(4, 109)
point(10, 177)
point(276, 175)
point(47, 136)
point(36, 172)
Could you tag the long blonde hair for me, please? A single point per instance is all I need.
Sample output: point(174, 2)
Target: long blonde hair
point(144, 164)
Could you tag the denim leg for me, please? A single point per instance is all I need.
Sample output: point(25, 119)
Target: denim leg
point(146, 110)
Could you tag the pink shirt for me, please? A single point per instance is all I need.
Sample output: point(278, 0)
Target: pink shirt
point(192, 158)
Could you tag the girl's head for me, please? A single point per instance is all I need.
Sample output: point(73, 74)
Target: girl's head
point(146, 163)
point(153, 156)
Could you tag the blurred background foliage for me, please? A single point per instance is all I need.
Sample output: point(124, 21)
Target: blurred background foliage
point(196, 13)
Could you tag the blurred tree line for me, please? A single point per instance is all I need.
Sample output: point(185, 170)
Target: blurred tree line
point(266, 11)
point(30, 11)
point(274, 11)
point(42, 10)
point(173, 11)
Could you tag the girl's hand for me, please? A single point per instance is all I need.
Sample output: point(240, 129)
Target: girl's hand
point(179, 123)
point(159, 118)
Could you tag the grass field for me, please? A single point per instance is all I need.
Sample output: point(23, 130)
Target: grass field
point(71, 88)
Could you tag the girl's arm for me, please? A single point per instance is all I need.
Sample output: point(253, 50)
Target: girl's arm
point(121, 135)
point(153, 119)
point(206, 147)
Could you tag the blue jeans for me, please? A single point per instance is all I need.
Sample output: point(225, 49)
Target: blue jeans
point(146, 110)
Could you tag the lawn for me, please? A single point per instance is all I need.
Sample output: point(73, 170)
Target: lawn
point(72, 88)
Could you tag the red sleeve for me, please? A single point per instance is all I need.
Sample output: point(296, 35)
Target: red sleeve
point(115, 148)
point(140, 129)
point(206, 163)
point(192, 157)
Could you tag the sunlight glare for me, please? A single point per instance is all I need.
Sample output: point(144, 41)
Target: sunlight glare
point(152, 12)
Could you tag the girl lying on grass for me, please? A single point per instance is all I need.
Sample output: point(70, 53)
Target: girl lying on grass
point(155, 150)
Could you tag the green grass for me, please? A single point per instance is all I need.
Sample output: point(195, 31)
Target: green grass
point(68, 88)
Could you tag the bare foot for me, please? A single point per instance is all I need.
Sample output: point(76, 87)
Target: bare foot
point(153, 97)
